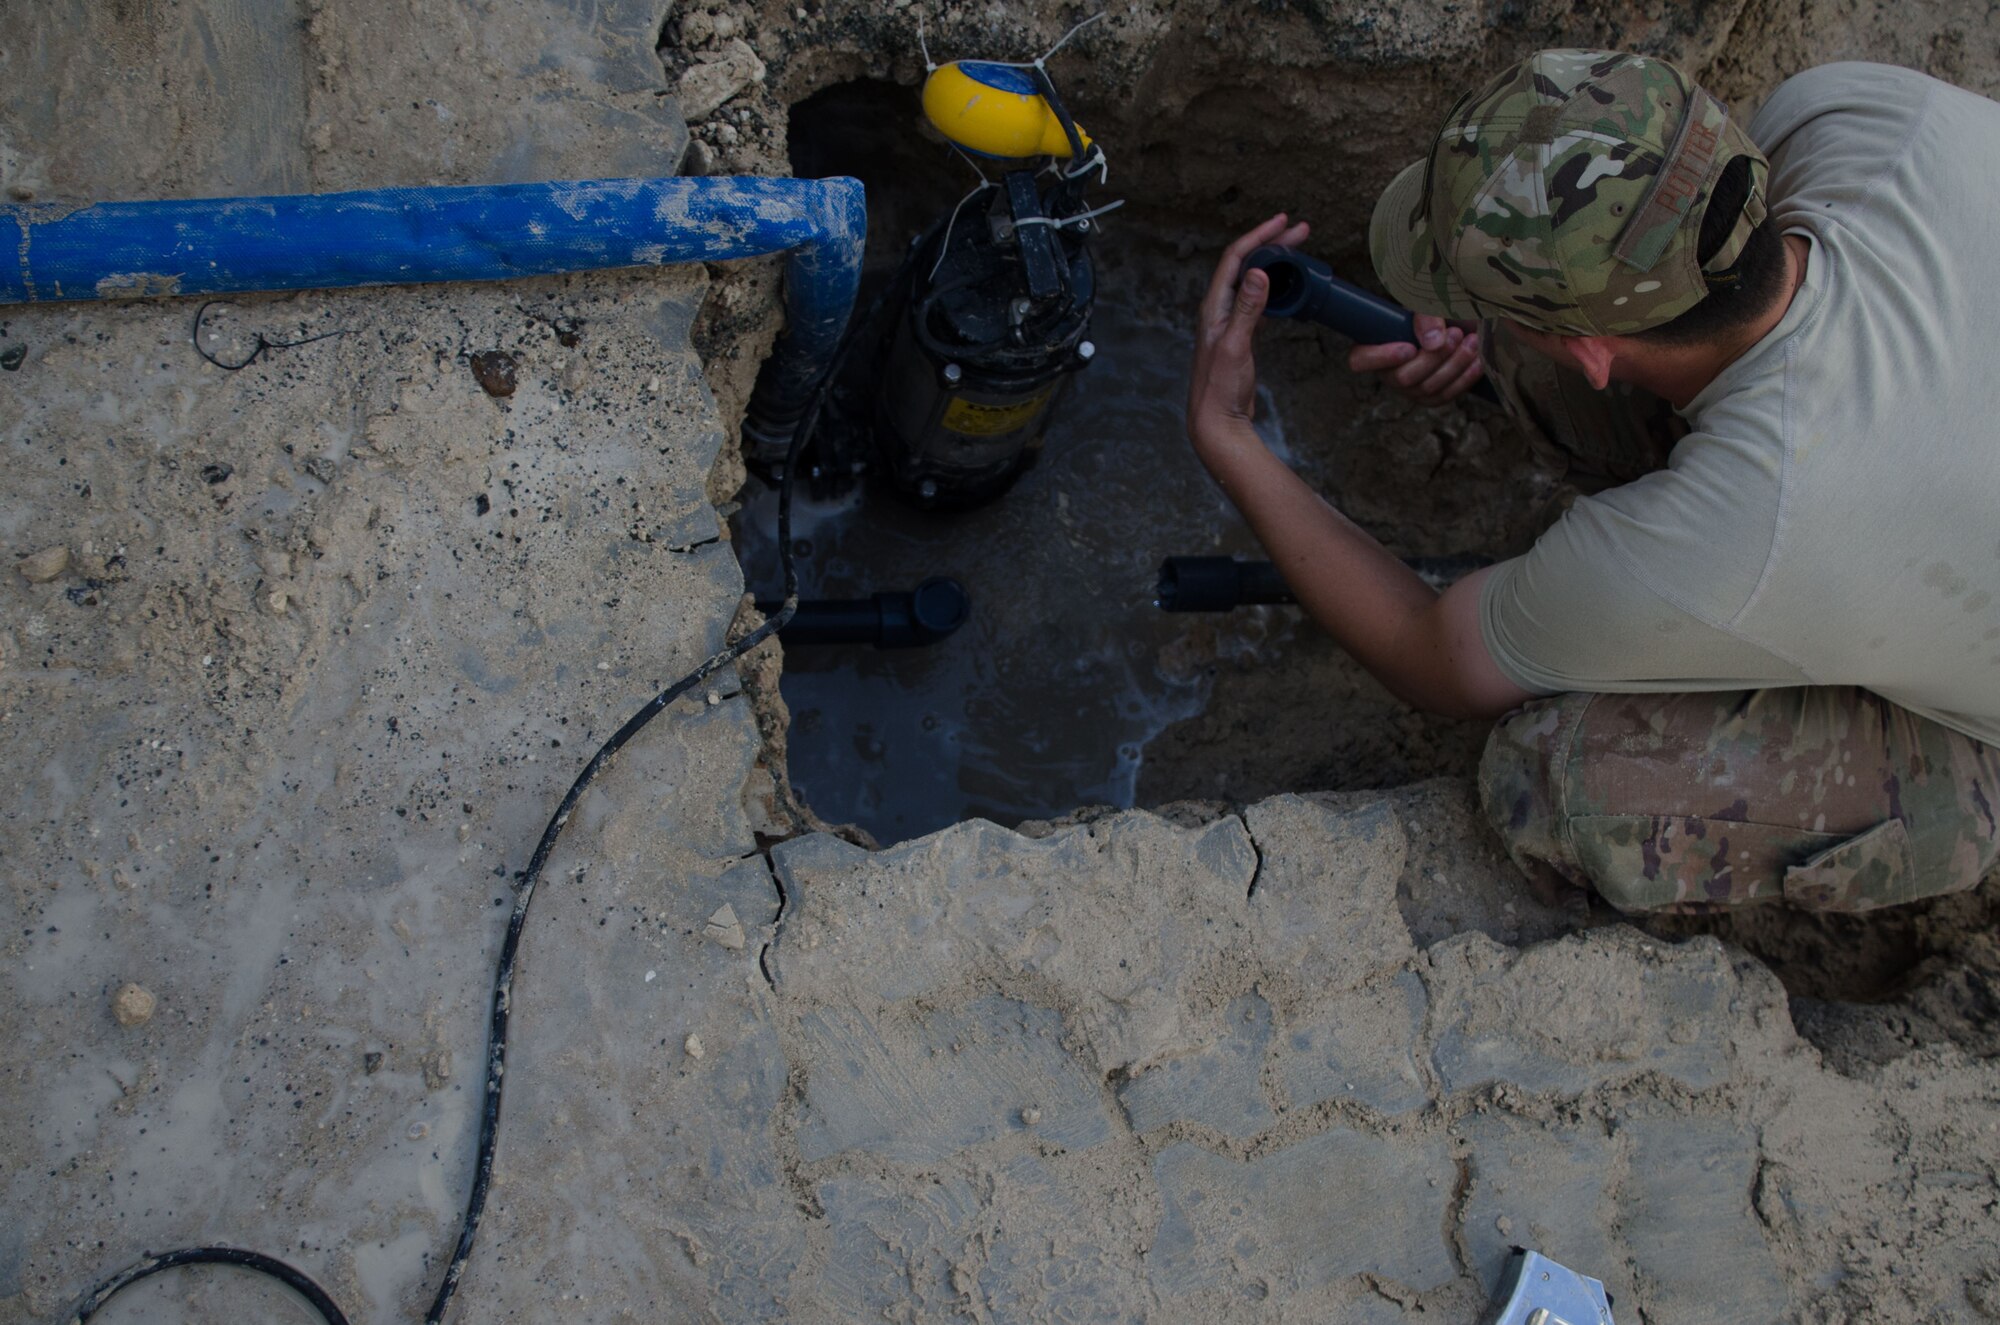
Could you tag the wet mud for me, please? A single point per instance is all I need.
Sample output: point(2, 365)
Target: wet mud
point(1047, 698)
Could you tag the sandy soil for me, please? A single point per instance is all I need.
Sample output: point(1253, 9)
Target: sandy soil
point(1218, 117)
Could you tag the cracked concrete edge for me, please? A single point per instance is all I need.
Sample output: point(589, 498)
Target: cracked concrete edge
point(1591, 1087)
point(1284, 835)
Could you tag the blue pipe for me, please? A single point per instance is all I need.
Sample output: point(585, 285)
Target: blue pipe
point(122, 250)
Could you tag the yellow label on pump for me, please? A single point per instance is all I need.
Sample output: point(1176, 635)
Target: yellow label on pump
point(976, 420)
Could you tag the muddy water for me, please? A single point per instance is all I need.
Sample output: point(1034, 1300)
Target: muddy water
point(1046, 698)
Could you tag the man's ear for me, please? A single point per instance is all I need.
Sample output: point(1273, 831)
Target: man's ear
point(1592, 356)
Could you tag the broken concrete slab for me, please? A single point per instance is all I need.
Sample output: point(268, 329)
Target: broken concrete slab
point(1507, 1018)
point(557, 89)
point(231, 112)
point(1325, 898)
point(287, 834)
point(917, 1087)
point(1359, 1050)
point(1327, 1208)
point(1694, 1237)
point(283, 96)
point(976, 903)
point(1547, 1187)
point(1220, 1087)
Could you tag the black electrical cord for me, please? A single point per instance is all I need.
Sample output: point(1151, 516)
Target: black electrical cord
point(503, 976)
point(262, 347)
point(254, 1261)
point(1050, 95)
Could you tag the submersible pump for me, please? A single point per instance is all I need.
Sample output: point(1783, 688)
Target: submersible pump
point(994, 306)
point(971, 343)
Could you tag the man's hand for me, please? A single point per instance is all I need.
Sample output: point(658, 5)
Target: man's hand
point(1440, 368)
point(1222, 387)
point(1428, 650)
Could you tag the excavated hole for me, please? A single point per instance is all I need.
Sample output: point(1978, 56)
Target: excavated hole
point(1068, 688)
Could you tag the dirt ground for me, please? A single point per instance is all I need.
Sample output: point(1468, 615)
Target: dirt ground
point(278, 751)
point(1215, 116)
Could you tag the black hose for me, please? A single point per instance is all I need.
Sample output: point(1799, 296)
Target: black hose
point(1050, 95)
point(503, 976)
point(254, 1261)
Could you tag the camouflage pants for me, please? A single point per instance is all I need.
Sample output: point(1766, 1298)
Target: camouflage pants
point(1827, 797)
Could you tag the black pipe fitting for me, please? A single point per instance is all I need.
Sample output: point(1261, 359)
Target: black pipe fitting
point(891, 620)
point(1217, 584)
point(1303, 287)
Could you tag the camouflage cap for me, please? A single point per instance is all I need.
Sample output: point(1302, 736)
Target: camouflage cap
point(1567, 194)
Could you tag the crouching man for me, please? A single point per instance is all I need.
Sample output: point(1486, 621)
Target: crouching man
point(1762, 659)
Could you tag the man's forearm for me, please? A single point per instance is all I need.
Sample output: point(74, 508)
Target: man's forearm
point(1373, 605)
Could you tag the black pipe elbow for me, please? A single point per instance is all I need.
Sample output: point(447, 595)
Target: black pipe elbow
point(890, 620)
point(1217, 584)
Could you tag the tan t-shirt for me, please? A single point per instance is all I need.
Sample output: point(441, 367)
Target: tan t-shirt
point(1834, 517)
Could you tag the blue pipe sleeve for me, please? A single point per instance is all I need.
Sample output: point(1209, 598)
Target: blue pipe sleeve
point(120, 250)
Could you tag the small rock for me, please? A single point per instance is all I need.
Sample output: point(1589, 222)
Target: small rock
point(320, 468)
point(418, 1131)
point(726, 26)
point(13, 357)
point(465, 832)
point(495, 371)
point(218, 472)
point(371, 1062)
point(699, 160)
point(1030, 1116)
point(279, 601)
point(437, 1069)
point(133, 1004)
point(693, 1046)
point(1984, 1294)
point(1503, 1225)
point(45, 565)
point(705, 87)
point(725, 928)
point(698, 28)
point(575, 373)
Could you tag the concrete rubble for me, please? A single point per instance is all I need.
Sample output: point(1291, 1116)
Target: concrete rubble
point(296, 660)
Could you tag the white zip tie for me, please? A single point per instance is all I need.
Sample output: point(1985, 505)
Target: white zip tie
point(1094, 159)
point(1060, 221)
point(1035, 63)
